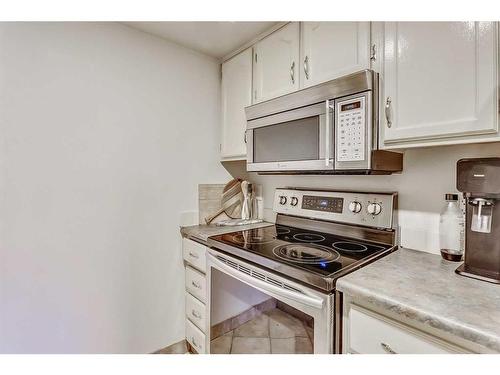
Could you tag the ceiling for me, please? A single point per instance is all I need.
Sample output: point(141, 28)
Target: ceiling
point(215, 39)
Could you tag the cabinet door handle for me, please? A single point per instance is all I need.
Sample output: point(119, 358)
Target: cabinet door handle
point(306, 67)
point(387, 348)
point(195, 284)
point(193, 255)
point(245, 136)
point(292, 72)
point(373, 55)
point(388, 111)
point(196, 314)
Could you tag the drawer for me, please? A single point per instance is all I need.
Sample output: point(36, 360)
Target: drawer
point(370, 333)
point(196, 312)
point(195, 337)
point(194, 254)
point(196, 284)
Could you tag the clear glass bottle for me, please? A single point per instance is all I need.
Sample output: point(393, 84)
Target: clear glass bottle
point(452, 229)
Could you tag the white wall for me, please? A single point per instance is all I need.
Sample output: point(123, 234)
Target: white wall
point(105, 133)
point(428, 174)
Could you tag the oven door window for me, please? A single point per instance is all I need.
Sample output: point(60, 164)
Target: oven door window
point(295, 140)
point(245, 320)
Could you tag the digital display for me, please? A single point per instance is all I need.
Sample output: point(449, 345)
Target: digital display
point(327, 204)
point(348, 107)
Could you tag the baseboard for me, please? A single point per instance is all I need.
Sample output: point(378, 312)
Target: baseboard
point(180, 347)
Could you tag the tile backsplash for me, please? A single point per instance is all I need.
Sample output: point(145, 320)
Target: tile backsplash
point(209, 196)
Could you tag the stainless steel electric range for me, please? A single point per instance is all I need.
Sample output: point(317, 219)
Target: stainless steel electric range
point(318, 237)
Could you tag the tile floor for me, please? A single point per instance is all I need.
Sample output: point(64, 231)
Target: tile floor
point(272, 332)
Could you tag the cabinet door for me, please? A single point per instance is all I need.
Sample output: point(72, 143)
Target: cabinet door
point(333, 49)
point(440, 82)
point(276, 63)
point(236, 95)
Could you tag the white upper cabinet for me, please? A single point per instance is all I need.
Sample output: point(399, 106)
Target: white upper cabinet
point(276, 63)
point(236, 95)
point(333, 49)
point(440, 83)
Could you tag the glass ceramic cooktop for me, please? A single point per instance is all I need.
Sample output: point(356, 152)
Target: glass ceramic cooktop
point(320, 253)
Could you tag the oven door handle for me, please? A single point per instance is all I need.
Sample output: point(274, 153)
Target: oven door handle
point(309, 300)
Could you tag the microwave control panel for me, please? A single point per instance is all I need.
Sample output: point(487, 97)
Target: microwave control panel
point(351, 130)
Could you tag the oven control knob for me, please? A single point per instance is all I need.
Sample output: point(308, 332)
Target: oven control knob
point(374, 208)
point(294, 201)
point(282, 200)
point(355, 207)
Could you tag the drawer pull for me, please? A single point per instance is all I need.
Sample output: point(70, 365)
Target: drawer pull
point(195, 284)
point(387, 348)
point(193, 255)
point(196, 314)
point(194, 342)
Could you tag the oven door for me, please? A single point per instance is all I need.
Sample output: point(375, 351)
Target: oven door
point(233, 283)
point(296, 140)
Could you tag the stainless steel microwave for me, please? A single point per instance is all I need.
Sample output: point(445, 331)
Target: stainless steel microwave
point(325, 129)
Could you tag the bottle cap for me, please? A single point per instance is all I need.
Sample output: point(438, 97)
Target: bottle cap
point(451, 197)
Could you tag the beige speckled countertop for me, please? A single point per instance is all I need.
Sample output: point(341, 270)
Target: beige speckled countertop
point(201, 233)
point(424, 288)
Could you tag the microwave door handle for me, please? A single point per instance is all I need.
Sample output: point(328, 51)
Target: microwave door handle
point(327, 133)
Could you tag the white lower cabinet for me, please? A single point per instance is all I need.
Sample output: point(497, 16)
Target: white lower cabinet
point(196, 283)
point(195, 337)
point(194, 255)
point(196, 312)
point(368, 332)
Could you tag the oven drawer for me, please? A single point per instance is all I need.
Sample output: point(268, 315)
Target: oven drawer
point(370, 333)
point(194, 254)
point(196, 312)
point(196, 284)
point(195, 337)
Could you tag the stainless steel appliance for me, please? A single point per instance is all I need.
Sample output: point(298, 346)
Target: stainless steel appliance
point(479, 180)
point(318, 237)
point(326, 129)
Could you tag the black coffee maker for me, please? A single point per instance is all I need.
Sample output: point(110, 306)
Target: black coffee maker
point(479, 181)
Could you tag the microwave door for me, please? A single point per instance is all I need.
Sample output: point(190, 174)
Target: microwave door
point(297, 140)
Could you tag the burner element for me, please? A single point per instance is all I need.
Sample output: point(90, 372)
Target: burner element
point(349, 247)
point(282, 230)
point(306, 254)
point(309, 237)
point(251, 239)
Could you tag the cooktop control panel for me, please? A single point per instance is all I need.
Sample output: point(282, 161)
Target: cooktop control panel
point(359, 208)
point(324, 204)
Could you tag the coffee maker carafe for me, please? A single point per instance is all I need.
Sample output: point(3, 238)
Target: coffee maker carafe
point(479, 181)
